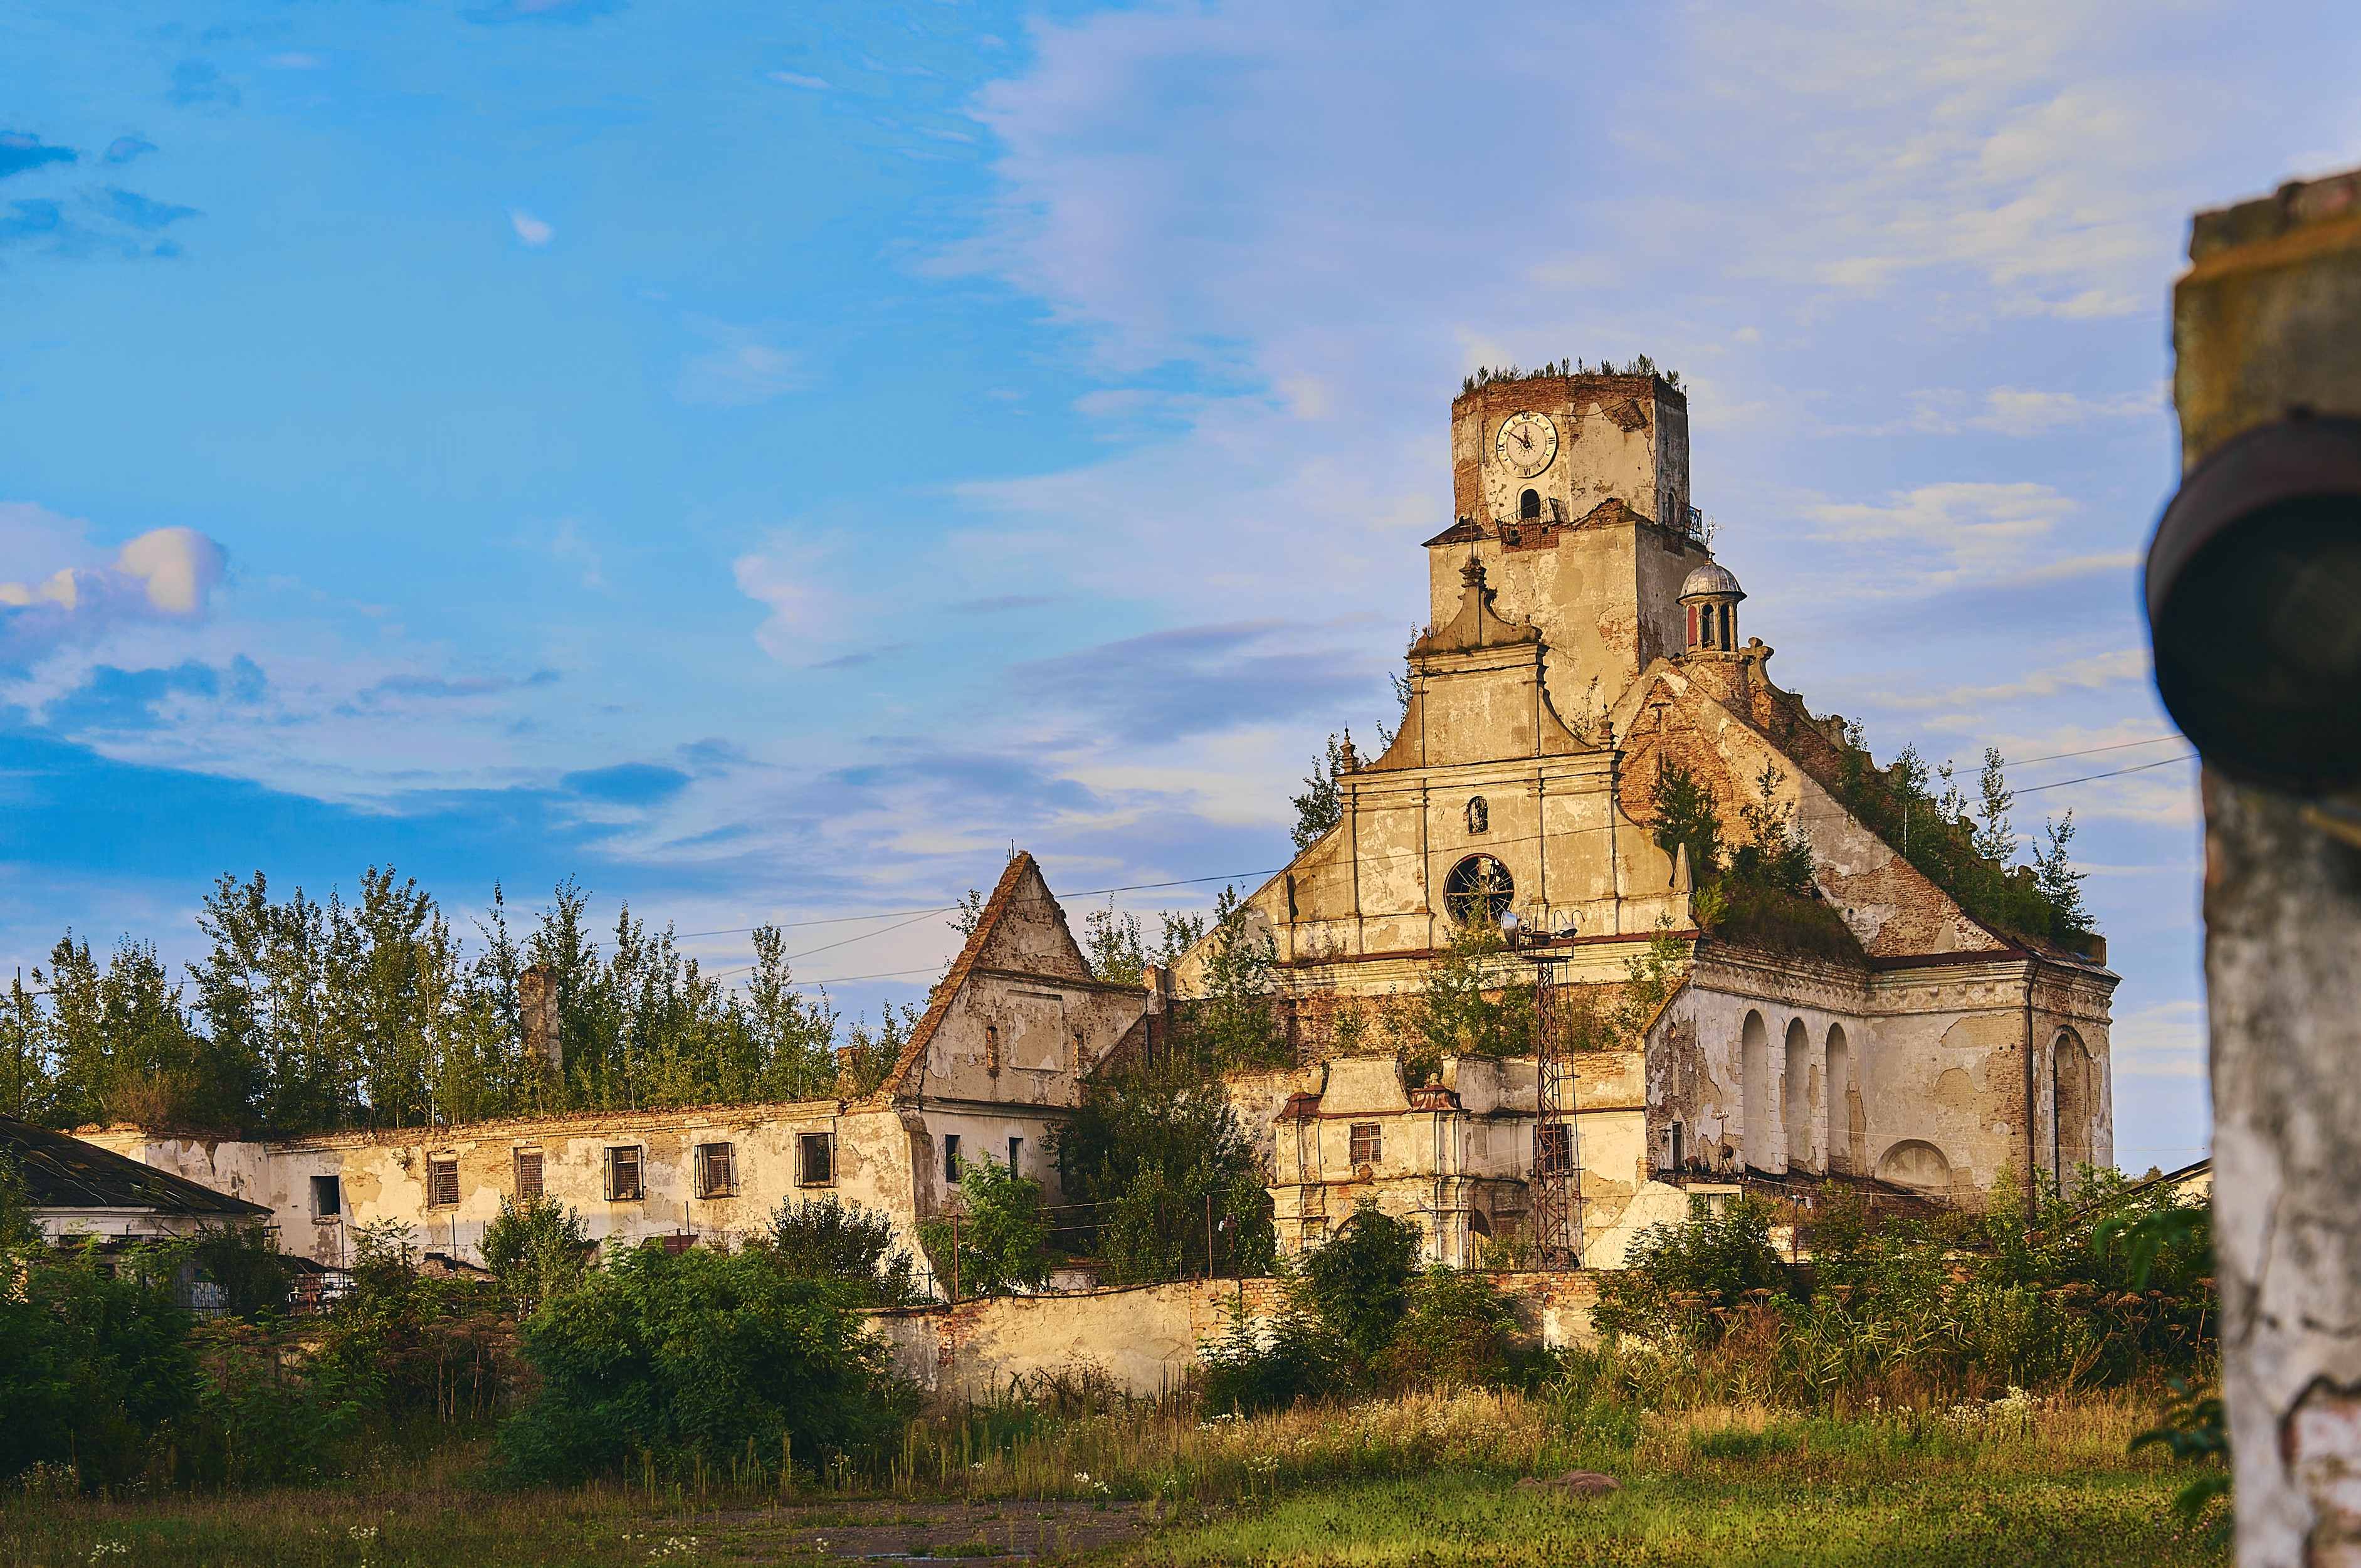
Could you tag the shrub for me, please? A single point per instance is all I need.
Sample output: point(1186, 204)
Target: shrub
point(1002, 1236)
point(821, 1238)
point(1148, 1153)
point(93, 1361)
point(1675, 1277)
point(698, 1357)
point(1291, 1357)
point(1455, 1331)
point(535, 1249)
point(1359, 1280)
point(245, 1262)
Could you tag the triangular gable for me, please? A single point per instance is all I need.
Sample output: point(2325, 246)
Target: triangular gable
point(1022, 930)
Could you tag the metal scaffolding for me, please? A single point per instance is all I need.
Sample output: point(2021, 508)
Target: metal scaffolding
point(1555, 1213)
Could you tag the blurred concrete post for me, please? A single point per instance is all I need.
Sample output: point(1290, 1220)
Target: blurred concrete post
point(2267, 323)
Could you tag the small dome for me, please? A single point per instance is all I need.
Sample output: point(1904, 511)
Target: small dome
point(1711, 580)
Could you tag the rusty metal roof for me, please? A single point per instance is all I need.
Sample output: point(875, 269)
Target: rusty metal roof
point(64, 1172)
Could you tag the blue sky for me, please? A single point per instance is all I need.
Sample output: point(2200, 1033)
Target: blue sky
point(763, 463)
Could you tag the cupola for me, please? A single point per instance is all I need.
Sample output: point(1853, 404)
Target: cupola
point(1711, 594)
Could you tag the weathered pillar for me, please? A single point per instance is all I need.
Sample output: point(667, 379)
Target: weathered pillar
point(2266, 326)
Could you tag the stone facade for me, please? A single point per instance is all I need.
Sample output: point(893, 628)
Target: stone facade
point(994, 1064)
point(1581, 640)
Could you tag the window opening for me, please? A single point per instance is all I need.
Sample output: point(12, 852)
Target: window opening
point(442, 1181)
point(1529, 506)
point(819, 1152)
point(624, 1180)
point(1552, 1149)
point(991, 1049)
point(716, 1170)
point(1368, 1142)
point(327, 1196)
point(527, 1173)
point(950, 1158)
point(1016, 1155)
point(1478, 888)
point(1480, 816)
point(1677, 1150)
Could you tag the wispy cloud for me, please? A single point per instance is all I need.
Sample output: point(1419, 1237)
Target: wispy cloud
point(744, 367)
point(22, 150)
point(530, 229)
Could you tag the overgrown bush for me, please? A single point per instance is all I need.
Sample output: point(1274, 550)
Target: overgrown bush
point(96, 1364)
point(535, 1249)
point(1914, 1312)
point(1454, 1334)
point(822, 1238)
point(699, 1358)
point(1000, 1242)
point(1152, 1157)
point(1290, 1355)
point(1359, 1281)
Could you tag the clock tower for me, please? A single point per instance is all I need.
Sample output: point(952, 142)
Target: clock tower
point(1572, 490)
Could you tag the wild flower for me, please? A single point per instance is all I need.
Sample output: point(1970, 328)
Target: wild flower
point(363, 1532)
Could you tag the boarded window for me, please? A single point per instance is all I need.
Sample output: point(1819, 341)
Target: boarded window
point(527, 1173)
point(442, 1181)
point(818, 1159)
point(327, 1196)
point(1368, 1143)
point(1552, 1149)
point(950, 1158)
point(624, 1184)
point(716, 1170)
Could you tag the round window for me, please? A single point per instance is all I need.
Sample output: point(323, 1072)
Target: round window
point(1478, 888)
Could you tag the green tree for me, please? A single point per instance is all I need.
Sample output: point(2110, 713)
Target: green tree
point(1360, 1279)
point(1163, 1169)
point(536, 1249)
point(699, 1358)
point(1236, 1024)
point(823, 1238)
point(1322, 804)
point(2061, 883)
point(1463, 1004)
point(95, 1360)
point(122, 1048)
point(1001, 1237)
point(1686, 817)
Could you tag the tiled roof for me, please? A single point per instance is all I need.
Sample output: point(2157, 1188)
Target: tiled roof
point(913, 1050)
point(64, 1172)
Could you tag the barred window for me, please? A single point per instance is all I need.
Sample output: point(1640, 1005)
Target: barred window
point(623, 1183)
point(1552, 1149)
point(716, 1170)
point(442, 1181)
point(1368, 1142)
point(818, 1159)
point(528, 1174)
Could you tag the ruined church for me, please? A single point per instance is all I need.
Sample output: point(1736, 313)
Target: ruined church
point(1580, 640)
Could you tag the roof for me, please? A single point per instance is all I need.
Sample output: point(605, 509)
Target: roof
point(62, 1172)
point(1711, 579)
point(1021, 869)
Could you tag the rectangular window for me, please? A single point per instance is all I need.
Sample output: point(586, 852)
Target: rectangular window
point(816, 1160)
point(1368, 1143)
point(327, 1196)
point(623, 1182)
point(528, 1174)
point(991, 1049)
point(1552, 1149)
point(1015, 1154)
point(442, 1180)
point(716, 1170)
point(950, 1160)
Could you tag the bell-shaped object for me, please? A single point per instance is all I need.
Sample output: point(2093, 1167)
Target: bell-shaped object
point(2253, 604)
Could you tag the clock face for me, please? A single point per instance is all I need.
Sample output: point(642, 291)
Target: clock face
point(1528, 440)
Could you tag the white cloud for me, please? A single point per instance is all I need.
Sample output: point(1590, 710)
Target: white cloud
point(1940, 535)
point(815, 83)
point(742, 368)
point(167, 574)
point(530, 229)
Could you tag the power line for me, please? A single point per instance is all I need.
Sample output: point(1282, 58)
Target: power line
point(2086, 778)
point(2087, 750)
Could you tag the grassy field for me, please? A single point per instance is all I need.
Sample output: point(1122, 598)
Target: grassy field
point(1428, 1479)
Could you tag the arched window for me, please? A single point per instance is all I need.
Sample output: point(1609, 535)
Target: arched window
point(2070, 1108)
point(1478, 888)
point(1798, 1098)
point(1755, 1091)
point(1838, 1083)
point(1529, 506)
point(1705, 622)
point(1480, 816)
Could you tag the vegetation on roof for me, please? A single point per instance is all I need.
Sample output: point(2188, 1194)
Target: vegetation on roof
point(1638, 365)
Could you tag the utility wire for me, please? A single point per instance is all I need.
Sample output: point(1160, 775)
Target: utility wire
point(2116, 774)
